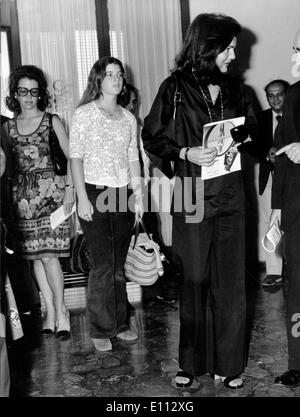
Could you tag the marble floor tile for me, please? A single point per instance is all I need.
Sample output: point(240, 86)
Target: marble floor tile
point(49, 367)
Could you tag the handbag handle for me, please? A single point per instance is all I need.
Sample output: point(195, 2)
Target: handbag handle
point(137, 230)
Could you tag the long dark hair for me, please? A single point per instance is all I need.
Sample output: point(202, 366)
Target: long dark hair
point(96, 76)
point(207, 36)
point(32, 73)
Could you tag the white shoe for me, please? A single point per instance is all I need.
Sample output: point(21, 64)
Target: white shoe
point(127, 335)
point(63, 326)
point(102, 345)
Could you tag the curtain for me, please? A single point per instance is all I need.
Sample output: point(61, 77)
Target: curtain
point(146, 36)
point(5, 71)
point(60, 37)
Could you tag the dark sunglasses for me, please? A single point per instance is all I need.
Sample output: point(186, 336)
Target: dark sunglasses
point(23, 91)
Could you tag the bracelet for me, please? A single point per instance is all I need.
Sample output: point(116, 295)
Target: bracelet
point(186, 152)
point(69, 185)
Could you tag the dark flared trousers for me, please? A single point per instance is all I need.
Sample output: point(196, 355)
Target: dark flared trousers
point(108, 237)
point(291, 250)
point(212, 301)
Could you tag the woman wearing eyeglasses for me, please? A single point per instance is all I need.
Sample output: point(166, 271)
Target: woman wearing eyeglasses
point(106, 172)
point(38, 191)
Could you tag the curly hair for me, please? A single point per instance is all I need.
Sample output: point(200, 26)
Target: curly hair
point(95, 78)
point(33, 73)
point(208, 35)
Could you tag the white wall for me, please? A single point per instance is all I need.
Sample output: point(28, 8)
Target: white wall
point(274, 23)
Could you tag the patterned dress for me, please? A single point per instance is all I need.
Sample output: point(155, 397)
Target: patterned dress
point(37, 192)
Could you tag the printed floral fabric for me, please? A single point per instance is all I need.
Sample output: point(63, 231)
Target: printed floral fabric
point(106, 144)
point(37, 192)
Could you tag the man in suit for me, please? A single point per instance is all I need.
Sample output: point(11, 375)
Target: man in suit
point(267, 122)
point(286, 210)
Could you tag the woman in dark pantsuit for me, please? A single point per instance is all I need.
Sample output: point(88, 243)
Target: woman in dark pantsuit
point(209, 235)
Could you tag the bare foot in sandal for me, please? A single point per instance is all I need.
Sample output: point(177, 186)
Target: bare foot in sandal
point(183, 379)
point(232, 382)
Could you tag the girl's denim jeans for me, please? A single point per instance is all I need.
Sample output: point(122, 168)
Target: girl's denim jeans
point(108, 237)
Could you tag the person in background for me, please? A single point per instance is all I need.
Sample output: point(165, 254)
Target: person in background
point(267, 122)
point(38, 191)
point(286, 211)
point(4, 364)
point(105, 167)
point(212, 298)
point(165, 289)
point(129, 100)
point(19, 270)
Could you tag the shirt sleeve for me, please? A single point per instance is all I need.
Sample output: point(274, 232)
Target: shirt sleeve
point(156, 134)
point(133, 152)
point(76, 141)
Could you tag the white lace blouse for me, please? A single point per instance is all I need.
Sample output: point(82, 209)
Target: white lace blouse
point(106, 145)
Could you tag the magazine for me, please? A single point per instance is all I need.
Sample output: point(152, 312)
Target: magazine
point(217, 134)
point(59, 216)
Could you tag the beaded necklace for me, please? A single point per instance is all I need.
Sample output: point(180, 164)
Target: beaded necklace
point(207, 100)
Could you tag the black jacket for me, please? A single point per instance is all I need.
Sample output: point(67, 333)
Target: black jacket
point(286, 182)
point(222, 195)
point(264, 143)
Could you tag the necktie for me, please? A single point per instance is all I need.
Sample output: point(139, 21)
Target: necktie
point(278, 118)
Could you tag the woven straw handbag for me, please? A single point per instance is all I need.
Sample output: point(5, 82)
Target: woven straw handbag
point(143, 263)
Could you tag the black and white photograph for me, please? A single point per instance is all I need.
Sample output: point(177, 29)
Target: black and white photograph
point(149, 149)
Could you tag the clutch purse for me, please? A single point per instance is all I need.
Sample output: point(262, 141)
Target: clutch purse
point(58, 158)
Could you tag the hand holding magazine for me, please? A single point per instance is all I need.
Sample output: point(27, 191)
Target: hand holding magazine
point(217, 134)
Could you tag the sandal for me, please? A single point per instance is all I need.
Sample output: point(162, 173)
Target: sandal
point(290, 378)
point(183, 374)
point(232, 382)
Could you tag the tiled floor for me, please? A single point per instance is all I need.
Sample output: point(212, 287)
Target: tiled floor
point(47, 367)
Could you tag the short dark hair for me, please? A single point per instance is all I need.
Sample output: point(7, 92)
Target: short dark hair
point(95, 78)
point(208, 35)
point(285, 84)
point(33, 73)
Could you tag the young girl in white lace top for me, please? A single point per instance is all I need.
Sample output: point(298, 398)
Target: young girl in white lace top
point(106, 172)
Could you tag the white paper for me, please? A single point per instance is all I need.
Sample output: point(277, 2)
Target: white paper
point(59, 216)
point(217, 134)
point(272, 238)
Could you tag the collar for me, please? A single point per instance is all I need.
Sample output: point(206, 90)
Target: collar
point(276, 114)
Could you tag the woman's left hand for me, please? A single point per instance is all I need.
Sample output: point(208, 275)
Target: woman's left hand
point(200, 156)
point(68, 200)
